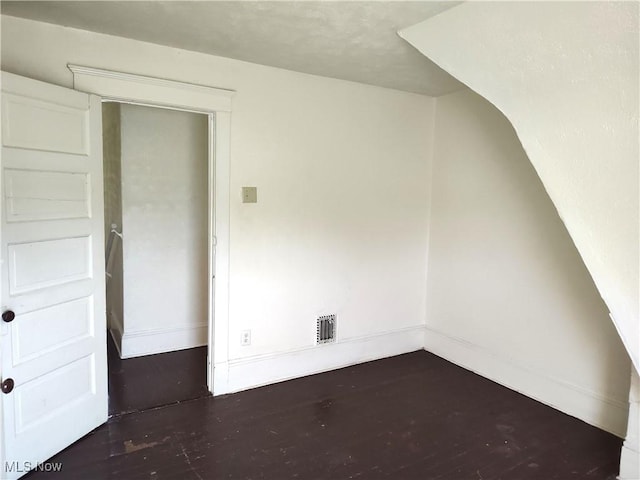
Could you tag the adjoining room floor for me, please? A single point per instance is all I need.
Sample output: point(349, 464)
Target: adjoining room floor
point(414, 416)
point(137, 384)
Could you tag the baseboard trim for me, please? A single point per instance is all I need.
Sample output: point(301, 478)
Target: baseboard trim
point(603, 412)
point(149, 342)
point(629, 464)
point(256, 371)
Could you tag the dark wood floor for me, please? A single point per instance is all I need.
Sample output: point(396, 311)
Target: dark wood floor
point(141, 383)
point(414, 416)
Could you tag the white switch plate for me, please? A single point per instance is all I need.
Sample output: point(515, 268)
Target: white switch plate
point(249, 195)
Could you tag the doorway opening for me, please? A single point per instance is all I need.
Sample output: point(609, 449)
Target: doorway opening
point(216, 104)
point(156, 195)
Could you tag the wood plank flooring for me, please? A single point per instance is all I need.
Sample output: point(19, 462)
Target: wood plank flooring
point(137, 384)
point(413, 416)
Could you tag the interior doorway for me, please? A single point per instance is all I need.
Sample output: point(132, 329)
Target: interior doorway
point(156, 236)
point(58, 264)
point(216, 104)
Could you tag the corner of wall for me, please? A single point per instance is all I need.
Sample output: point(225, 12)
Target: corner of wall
point(431, 161)
point(484, 210)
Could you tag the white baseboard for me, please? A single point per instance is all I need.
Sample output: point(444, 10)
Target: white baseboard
point(245, 373)
point(629, 464)
point(148, 342)
point(591, 407)
point(630, 455)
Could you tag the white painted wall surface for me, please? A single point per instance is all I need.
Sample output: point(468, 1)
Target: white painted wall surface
point(508, 294)
point(341, 220)
point(566, 76)
point(164, 218)
point(111, 153)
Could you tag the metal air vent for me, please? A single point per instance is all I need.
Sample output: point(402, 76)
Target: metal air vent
point(326, 329)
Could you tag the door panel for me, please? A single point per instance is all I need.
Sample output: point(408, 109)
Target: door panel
point(39, 124)
point(36, 265)
point(52, 248)
point(34, 403)
point(37, 195)
point(27, 342)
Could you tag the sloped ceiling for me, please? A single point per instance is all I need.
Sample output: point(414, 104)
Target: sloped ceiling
point(566, 75)
point(354, 41)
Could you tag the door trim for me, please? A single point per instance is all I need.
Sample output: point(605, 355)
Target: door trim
point(216, 104)
point(128, 88)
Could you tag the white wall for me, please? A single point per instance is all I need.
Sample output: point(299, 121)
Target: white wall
point(508, 294)
point(164, 225)
point(341, 220)
point(566, 75)
point(341, 225)
point(111, 152)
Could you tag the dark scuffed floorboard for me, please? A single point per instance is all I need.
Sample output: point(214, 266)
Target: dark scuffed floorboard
point(137, 384)
point(413, 416)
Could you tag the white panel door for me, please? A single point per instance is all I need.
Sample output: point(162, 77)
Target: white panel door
point(52, 333)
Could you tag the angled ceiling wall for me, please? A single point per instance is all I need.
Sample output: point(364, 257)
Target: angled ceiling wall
point(354, 41)
point(566, 76)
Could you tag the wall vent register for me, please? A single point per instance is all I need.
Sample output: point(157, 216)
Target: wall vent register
point(326, 329)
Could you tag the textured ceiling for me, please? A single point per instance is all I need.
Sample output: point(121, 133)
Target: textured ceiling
point(355, 41)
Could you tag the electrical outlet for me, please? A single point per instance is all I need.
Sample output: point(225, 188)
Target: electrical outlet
point(245, 338)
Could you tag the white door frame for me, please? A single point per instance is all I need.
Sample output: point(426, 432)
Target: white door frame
point(216, 104)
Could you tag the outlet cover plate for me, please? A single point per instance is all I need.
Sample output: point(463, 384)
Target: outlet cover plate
point(249, 194)
point(245, 338)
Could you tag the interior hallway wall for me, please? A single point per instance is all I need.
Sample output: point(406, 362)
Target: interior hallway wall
point(508, 294)
point(111, 152)
point(164, 222)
